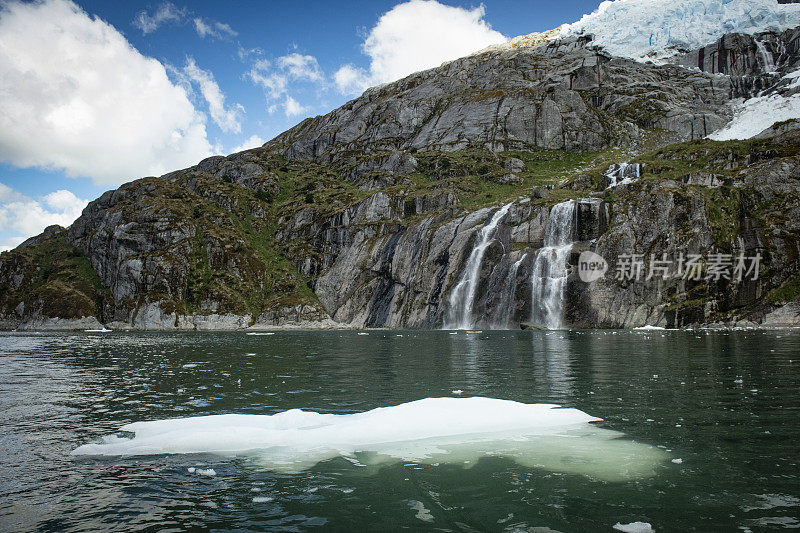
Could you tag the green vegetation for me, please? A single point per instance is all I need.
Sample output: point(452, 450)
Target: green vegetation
point(220, 241)
point(54, 278)
point(789, 291)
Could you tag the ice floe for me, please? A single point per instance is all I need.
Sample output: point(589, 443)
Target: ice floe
point(431, 430)
point(634, 527)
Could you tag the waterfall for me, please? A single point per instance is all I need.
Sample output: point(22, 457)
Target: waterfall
point(550, 267)
point(766, 58)
point(504, 314)
point(462, 297)
point(622, 174)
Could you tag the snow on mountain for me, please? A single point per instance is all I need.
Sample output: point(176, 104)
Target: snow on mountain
point(654, 29)
point(757, 114)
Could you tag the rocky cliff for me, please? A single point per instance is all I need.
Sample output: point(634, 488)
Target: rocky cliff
point(469, 190)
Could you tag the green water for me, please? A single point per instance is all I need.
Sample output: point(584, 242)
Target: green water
point(725, 404)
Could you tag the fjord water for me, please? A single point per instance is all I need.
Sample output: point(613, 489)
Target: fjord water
point(720, 410)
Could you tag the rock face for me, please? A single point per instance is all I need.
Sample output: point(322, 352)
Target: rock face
point(565, 95)
point(370, 215)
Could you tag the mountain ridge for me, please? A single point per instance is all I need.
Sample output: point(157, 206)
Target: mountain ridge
point(367, 216)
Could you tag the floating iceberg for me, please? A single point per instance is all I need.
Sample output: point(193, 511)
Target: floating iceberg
point(432, 430)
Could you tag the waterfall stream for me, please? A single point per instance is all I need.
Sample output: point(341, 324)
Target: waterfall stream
point(504, 315)
point(462, 297)
point(549, 277)
point(622, 174)
point(766, 58)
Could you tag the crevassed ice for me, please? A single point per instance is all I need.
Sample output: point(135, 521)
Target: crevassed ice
point(432, 430)
point(656, 28)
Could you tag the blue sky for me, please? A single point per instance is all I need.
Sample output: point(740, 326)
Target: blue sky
point(96, 93)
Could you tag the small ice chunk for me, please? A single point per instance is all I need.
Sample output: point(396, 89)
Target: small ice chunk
point(457, 391)
point(634, 527)
point(677, 461)
point(422, 512)
point(202, 472)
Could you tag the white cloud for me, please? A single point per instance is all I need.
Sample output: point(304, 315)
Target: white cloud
point(301, 67)
point(27, 217)
point(212, 28)
point(75, 95)
point(275, 83)
point(7, 194)
point(228, 120)
point(10, 243)
point(253, 142)
point(417, 35)
point(275, 79)
point(166, 13)
point(350, 79)
point(292, 107)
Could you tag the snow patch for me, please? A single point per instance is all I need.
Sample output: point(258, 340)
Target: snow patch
point(757, 114)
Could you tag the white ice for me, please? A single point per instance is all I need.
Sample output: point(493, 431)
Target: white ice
point(432, 430)
point(210, 472)
point(634, 527)
point(757, 114)
point(641, 29)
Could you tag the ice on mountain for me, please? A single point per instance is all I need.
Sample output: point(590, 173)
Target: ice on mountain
point(757, 114)
point(655, 29)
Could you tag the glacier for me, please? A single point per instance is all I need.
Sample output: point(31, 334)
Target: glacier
point(657, 29)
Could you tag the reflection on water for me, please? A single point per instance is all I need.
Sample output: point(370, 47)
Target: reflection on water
point(722, 405)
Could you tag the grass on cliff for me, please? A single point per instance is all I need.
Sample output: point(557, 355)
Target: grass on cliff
point(789, 291)
point(725, 158)
point(56, 278)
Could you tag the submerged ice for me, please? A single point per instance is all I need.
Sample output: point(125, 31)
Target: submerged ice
point(431, 430)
